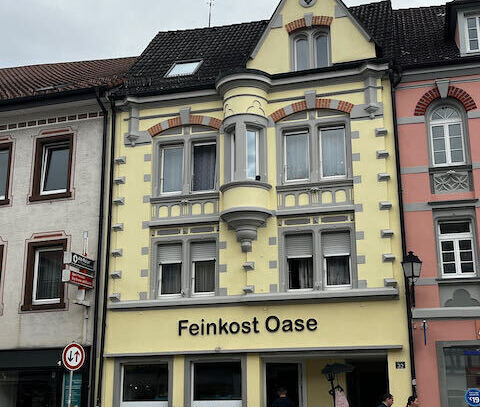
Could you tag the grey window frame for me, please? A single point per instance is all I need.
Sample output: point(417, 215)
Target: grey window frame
point(162, 166)
point(343, 286)
point(215, 172)
point(236, 127)
point(465, 137)
point(188, 376)
point(456, 215)
point(285, 165)
point(311, 35)
point(193, 270)
point(319, 271)
point(313, 123)
point(150, 360)
point(188, 139)
point(200, 62)
point(287, 269)
point(186, 286)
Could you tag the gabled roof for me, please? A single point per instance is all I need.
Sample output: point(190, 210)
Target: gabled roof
point(34, 81)
point(221, 49)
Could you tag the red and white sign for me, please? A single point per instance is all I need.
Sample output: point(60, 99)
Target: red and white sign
point(73, 356)
point(77, 278)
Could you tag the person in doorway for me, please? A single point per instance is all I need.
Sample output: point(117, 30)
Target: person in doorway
point(387, 400)
point(413, 402)
point(283, 400)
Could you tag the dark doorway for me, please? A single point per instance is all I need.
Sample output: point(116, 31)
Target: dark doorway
point(367, 382)
point(284, 375)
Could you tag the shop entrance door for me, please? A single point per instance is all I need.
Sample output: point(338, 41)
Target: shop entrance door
point(286, 375)
point(367, 383)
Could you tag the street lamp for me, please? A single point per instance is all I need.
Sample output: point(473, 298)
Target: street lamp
point(412, 267)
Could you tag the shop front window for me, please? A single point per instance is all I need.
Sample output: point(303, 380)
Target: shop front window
point(145, 385)
point(217, 384)
point(462, 372)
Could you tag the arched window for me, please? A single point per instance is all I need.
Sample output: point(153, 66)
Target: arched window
point(302, 57)
point(321, 51)
point(447, 140)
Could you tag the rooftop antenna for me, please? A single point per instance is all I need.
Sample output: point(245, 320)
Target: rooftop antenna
point(210, 5)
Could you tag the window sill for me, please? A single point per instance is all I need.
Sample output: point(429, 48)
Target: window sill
point(44, 307)
point(191, 197)
point(317, 184)
point(450, 167)
point(245, 183)
point(51, 197)
point(459, 280)
point(360, 294)
point(4, 202)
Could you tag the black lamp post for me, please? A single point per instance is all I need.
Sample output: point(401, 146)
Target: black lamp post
point(412, 267)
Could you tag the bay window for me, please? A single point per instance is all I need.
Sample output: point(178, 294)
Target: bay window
point(299, 250)
point(170, 269)
point(456, 247)
point(171, 177)
point(252, 153)
point(336, 253)
point(144, 385)
point(203, 267)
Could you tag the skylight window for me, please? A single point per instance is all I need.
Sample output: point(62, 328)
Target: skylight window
point(183, 68)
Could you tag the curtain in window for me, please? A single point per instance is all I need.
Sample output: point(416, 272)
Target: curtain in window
point(172, 169)
point(338, 270)
point(204, 158)
point(49, 274)
point(205, 276)
point(321, 48)
point(171, 278)
point(3, 172)
point(333, 152)
point(300, 273)
point(296, 146)
point(301, 54)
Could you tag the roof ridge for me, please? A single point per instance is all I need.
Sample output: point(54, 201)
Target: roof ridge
point(433, 6)
point(214, 27)
point(50, 64)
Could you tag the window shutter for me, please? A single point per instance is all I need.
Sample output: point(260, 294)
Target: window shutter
point(336, 243)
point(169, 253)
point(299, 245)
point(203, 251)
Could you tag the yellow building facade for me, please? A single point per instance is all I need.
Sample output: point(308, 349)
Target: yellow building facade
point(255, 226)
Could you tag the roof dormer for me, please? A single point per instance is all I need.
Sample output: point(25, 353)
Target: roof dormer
point(463, 24)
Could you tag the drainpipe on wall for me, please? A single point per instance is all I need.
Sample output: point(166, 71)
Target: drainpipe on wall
point(395, 78)
point(107, 254)
point(93, 355)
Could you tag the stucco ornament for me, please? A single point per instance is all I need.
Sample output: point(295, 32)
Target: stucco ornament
point(307, 3)
point(256, 108)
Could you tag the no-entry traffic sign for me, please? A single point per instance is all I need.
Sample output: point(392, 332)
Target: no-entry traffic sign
point(73, 356)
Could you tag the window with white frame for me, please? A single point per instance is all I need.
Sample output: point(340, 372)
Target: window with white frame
point(448, 146)
point(171, 172)
point(203, 267)
point(333, 152)
point(55, 168)
point(336, 254)
point(296, 155)
point(299, 253)
point(183, 68)
point(170, 269)
point(456, 246)
point(217, 383)
point(47, 275)
point(310, 50)
point(252, 153)
point(145, 385)
point(203, 168)
point(473, 31)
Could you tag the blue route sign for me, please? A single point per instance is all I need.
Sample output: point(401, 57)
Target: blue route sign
point(472, 397)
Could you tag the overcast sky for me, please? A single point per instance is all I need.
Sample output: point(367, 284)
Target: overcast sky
point(43, 31)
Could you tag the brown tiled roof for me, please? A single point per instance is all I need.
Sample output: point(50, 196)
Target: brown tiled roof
point(49, 79)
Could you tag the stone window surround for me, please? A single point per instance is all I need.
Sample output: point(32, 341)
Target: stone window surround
point(7, 146)
point(187, 140)
point(237, 125)
point(150, 360)
point(442, 377)
point(455, 214)
point(313, 124)
point(318, 260)
point(310, 34)
point(188, 377)
point(466, 139)
point(187, 269)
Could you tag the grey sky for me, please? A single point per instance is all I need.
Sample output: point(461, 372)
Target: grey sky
point(42, 31)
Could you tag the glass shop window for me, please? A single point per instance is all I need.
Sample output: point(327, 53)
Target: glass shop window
point(145, 385)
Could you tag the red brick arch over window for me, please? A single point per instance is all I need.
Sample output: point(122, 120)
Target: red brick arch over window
point(453, 92)
point(320, 103)
point(317, 21)
point(193, 119)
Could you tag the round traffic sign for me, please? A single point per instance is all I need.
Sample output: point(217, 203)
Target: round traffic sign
point(73, 356)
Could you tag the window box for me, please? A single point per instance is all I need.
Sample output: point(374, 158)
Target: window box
point(52, 168)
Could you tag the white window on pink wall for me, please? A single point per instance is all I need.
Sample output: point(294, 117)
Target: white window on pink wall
point(473, 33)
point(457, 249)
point(447, 140)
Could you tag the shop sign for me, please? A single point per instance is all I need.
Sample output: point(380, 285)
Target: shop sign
point(77, 278)
point(76, 398)
point(78, 261)
point(272, 324)
point(472, 397)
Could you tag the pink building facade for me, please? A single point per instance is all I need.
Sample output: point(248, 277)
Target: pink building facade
point(438, 128)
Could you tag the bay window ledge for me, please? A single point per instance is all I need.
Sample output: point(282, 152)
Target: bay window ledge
point(363, 294)
point(446, 313)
